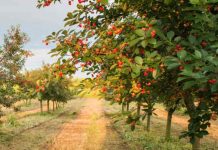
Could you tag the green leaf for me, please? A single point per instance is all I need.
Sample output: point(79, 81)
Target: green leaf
point(170, 35)
point(173, 65)
point(167, 2)
point(182, 54)
point(195, 1)
point(140, 32)
point(134, 42)
point(198, 54)
point(188, 85)
point(105, 2)
point(138, 60)
point(192, 39)
point(144, 43)
point(153, 41)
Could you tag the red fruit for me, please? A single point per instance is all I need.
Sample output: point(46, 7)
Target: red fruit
point(212, 81)
point(118, 31)
point(145, 73)
point(150, 69)
point(37, 87)
point(101, 8)
point(203, 44)
point(138, 85)
point(81, 1)
point(143, 91)
point(115, 50)
point(178, 48)
point(113, 27)
point(61, 74)
point(98, 1)
point(109, 33)
point(80, 25)
point(94, 24)
point(148, 84)
point(76, 53)
point(70, 2)
point(120, 64)
point(153, 33)
point(104, 89)
point(142, 52)
point(181, 68)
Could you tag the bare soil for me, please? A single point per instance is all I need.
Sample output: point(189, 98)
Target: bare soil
point(91, 130)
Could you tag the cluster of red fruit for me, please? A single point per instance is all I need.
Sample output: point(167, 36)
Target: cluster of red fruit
point(114, 30)
point(147, 71)
point(40, 88)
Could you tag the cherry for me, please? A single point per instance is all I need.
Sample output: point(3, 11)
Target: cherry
point(143, 91)
point(118, 31)
point(109, 33)
point(203, 44)
point(101, 8)
point(120, 64)
point(115, 50)
point(104, 89)
point(61, 74)
point(212, 81)
point(178, 48)
point(145, 73)
point(81, 1)
point(153, 33)
point(148, 84)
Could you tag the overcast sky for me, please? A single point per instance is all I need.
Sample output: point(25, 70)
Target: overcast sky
point(37, 23)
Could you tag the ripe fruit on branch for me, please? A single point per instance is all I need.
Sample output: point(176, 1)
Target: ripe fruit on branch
point(104, 89)
point(143, 91)
point(115, 50)
point(118, 31)
point(120, 64)
point(212, 81)
point(109, 33)
point(81, 1)
point(101, 8)
point(145, 73)
point(61, 74)
point(203, 44)
point(178, 48)
point(153, 33)
point(148, 84)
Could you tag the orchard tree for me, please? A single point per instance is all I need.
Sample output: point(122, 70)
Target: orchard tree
point(12, 59)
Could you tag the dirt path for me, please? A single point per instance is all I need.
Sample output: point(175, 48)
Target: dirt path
point(89, 131)
point(183, 121)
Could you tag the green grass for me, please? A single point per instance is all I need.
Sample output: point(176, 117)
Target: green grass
point(155, 139)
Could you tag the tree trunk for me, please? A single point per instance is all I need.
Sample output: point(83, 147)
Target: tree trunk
point(189, 102)
point(169, 122)
point(127, 106)
point(123, 106)
point(48, 109)
point(196, 144)
point(148, 122)
point(138, 108)
point(53, 102)
point(41, 109)
point(56, 104)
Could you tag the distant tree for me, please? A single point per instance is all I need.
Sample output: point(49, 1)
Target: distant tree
point(12, 59)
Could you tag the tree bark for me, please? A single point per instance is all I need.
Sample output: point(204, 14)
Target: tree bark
point(53, 103)
point(123, 107)
point(127, 106)
point(138, 109)
point(169, 122)
point(189, 102)
point(196, 144)
point(148, 122)
point(48, 109)
point(41, 109)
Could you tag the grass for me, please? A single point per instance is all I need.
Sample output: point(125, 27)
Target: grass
point(155, 139)
point(33, 131)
